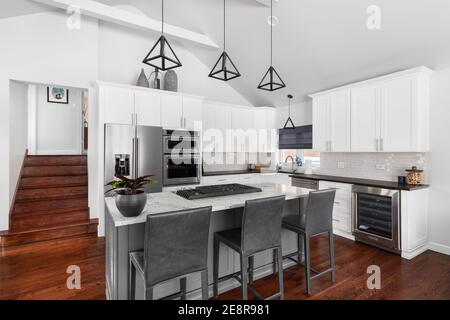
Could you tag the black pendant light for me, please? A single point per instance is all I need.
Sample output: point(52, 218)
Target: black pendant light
point(271, 80)
point(224, 69)
point(162, 56)
point(289, 120)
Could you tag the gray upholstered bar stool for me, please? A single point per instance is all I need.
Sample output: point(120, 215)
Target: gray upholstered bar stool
point(260, 231)
point(316, 220)
point(176, 245)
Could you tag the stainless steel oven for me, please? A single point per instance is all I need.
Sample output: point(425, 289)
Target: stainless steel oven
point(183, 169)
point(376, 217)
point(181, 141)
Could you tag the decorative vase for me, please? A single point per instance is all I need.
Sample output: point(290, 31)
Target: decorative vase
point(142, 80)
point(171, 81)
point(131, 205)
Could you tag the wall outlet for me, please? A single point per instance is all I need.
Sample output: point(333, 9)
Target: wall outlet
point(341, 164)
point(380, 166)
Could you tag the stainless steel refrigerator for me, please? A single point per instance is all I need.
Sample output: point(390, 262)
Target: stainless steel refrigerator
point(133, 151)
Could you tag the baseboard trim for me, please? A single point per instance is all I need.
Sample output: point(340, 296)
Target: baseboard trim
point(440, 248)
point(344, 234)
point(412, 254)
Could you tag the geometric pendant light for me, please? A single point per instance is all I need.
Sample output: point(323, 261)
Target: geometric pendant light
point(289, 124)
point(162, 56)
point(224, 69)
point(271, 80)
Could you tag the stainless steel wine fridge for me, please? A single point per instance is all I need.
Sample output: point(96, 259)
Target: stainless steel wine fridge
point(376, 217)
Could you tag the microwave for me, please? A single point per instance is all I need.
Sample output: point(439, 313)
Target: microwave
point(177, 141)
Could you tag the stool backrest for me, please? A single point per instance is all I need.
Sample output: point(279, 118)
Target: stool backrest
point(176, 243)
point(261, 224)
point(319, 211)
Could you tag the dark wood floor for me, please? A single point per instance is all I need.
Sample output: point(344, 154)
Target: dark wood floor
point(38, 271)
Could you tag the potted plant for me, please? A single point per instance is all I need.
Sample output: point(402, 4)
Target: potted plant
point(129, 194)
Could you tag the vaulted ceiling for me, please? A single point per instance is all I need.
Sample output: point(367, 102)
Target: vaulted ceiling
point(318, 44)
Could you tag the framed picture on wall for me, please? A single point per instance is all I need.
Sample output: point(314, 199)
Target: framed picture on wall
point(57, 95)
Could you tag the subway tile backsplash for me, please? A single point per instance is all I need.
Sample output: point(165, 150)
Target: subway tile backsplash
point(378, 166)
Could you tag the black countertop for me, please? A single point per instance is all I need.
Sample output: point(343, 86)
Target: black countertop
point(362, 182)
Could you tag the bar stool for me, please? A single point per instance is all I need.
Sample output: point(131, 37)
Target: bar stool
point(260, 230)
point(316, 220)
point(176, 245)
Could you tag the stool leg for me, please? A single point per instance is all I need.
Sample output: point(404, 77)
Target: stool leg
point(244, 277)
point(149, 293)
point(251, 264)
point(183, 288)
point(307, 265)
point(274, 261)
point(132, 281)
point(331, 244)
point(300, 249)
point(216, 267)
point(280, 272)
point(204, 276)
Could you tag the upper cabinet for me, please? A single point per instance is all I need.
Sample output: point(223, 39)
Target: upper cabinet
point(386, 114)
point(123, 104)
point(331, 122)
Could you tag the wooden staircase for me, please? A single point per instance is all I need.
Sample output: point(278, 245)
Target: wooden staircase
point(51, 201)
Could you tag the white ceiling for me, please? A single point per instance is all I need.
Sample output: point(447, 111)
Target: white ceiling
point(318, 44)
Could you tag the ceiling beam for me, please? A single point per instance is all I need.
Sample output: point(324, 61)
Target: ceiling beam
point(119, 16)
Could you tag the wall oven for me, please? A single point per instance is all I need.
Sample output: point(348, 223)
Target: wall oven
point(181, 159)
point(181, 141)
point(376, 217)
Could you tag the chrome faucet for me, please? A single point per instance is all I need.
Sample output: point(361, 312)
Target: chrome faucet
point(292, 159)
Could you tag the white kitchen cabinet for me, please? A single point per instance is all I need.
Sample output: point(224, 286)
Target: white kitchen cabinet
point(243, 139)
point(192, 113)
point(342, 209)
point(117, 104)
point(331, 122)
point(172, 111)
point(221, 179)
point(321, 123)
point(265, 125)
point(365, 120)
point(216, 122)
point(385, 114)
point(147, 108)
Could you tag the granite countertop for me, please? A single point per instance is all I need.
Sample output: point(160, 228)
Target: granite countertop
point(162, 202)
point(362, 182)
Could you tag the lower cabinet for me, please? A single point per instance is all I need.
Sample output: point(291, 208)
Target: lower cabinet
point(342, 210)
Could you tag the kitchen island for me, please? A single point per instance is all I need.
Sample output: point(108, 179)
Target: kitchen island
point(124, 235)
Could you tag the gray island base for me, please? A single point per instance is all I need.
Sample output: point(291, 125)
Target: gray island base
point(124, 235)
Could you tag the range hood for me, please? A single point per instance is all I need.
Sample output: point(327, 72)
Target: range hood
point(295, 138)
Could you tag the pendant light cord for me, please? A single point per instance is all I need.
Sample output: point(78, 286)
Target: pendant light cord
point(271, 31)
point(224, 25)
point(162, 16)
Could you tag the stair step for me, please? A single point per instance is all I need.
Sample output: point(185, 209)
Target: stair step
point(11, 238)
point(55, 161)
point(47, 219)
point(48, 171)
point(49, 182)
point(46, 205)
point(51, 193)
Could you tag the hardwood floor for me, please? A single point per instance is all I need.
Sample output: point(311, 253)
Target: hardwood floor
point(38, 271)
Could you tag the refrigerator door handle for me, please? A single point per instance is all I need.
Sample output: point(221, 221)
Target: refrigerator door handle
point(133, 160)
point(137, 158)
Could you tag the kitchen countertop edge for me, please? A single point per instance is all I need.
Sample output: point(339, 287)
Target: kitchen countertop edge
point(361, 182)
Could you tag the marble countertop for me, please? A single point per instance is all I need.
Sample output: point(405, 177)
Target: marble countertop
point(162, 202)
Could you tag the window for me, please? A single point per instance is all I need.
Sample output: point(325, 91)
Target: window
point(301, 155)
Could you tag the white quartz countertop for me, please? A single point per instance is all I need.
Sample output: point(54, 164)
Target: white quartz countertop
point(162, 202)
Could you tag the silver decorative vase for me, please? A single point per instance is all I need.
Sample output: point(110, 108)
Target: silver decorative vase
point(171, 81)
point(142, 80)
point(131, 205)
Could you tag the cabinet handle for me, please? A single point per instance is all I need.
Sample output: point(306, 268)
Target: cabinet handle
point(331, 146)
point(376, 145)
point(336, 220)
point(381, 144)
point(181, 122)
point(184, 122)
point(336, 202)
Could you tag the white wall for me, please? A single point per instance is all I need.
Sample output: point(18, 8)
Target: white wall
point(439, 170)
point(18, 134)
point(301, 114)
point(58, 126)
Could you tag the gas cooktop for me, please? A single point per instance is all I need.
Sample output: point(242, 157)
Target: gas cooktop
point(216, 191)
